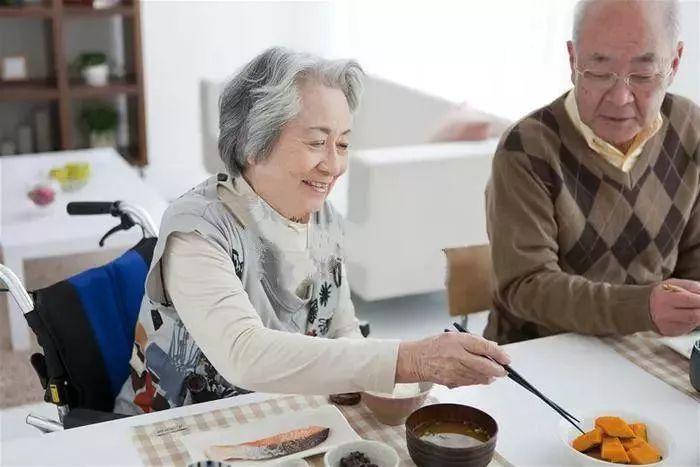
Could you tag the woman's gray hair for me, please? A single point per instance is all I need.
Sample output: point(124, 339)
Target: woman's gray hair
point(263, 97)
point(671, 18)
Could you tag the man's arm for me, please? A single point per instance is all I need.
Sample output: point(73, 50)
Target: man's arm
point(688, 265)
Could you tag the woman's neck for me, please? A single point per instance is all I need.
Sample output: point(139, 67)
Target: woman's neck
point(299, 218)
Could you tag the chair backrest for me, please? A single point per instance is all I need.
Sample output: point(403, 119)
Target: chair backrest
point(85, 325)
point(469, 276)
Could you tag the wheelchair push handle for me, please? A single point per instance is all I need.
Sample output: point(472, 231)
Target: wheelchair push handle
point(86, 208)
point(129, 215)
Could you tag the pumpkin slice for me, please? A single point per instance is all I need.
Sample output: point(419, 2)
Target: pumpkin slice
point(613, 451)
point(644, 453)
point(640, 430)
point(588, 440)
point(614, 427)
point(629, 443)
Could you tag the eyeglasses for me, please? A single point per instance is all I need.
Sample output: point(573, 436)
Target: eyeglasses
point(604, 80)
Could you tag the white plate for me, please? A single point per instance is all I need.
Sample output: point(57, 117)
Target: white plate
point(682, 344)
point(326, 416)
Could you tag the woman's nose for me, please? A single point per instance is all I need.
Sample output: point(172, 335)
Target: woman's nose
point(333, 163)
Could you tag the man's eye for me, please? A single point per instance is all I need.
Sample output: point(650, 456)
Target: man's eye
point(645, 78)
point(598, 75)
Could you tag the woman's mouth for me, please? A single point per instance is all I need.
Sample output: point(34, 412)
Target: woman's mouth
point(319, 187)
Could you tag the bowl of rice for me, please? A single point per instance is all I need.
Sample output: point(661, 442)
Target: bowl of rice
point(394, 408)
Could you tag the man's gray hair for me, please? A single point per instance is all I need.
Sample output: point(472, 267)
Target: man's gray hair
point(671, 14)
point(263, 97)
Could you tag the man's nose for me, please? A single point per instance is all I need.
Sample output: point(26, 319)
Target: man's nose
point(620, 94)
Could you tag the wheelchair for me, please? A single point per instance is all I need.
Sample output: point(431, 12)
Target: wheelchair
point(85, 324)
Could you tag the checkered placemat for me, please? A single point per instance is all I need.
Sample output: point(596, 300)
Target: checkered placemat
point(158, 443)
point(645, 350)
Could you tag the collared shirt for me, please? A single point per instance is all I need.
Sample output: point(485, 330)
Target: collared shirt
point(623, 161)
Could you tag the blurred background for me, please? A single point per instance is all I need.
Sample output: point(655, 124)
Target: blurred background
point(116, 99)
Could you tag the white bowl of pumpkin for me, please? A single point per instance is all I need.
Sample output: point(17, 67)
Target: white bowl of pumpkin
point(616, 437)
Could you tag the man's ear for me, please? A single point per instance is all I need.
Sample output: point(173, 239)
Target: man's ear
point(677, 59)
point(572, 60)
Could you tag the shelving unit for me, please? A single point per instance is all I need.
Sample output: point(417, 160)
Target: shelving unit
point(61, 90)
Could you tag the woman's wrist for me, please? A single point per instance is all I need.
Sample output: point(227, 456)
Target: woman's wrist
point(407, 362)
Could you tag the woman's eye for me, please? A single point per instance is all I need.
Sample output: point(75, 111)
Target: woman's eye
point(343, 146)
point(317, 144)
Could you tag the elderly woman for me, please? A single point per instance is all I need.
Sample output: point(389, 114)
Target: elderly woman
point(247, 290)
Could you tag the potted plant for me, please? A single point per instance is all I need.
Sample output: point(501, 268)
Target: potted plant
point(101, 120)
point(93, 66)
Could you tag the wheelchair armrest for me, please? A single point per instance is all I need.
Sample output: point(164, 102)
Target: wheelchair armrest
point(82, 417)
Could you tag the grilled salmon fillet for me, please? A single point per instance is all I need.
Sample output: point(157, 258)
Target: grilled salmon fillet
point(281, 444)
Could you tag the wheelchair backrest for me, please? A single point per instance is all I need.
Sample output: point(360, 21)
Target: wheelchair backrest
point(85, 325)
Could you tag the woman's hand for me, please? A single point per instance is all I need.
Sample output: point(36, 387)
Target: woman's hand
point(452, 359)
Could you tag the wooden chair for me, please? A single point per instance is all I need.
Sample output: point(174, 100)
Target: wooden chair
point(469, 277)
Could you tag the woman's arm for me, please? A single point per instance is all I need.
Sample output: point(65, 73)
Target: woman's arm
point(210, 299)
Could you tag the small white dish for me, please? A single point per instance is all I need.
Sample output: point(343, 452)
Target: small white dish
point(379, 453)
point(658, 435)
point(327, 416)
point(291, 463)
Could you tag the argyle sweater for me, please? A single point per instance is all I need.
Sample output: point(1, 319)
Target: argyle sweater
point(577, 244)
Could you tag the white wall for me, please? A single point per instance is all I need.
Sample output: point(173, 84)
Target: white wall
point(687, 81)
point(185, 42)
point(504, 56)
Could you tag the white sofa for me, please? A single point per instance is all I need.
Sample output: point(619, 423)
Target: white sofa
point(404, 198)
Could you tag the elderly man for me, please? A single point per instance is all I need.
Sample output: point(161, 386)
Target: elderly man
point(593, 210)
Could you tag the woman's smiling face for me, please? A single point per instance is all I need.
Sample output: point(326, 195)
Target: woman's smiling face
point(309, 155)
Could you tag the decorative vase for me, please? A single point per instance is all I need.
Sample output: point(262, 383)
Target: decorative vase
point(96, 75)
point(103, 139)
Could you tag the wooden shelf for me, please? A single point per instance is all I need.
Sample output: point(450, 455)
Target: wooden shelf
point(131, 155)
point(31, 90)
point(79, 90)
point(65, 93)
point(84, 10)
point(25, 11)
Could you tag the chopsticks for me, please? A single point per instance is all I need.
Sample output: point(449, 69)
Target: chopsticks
point(515, 376)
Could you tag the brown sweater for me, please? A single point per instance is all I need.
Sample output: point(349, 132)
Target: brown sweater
point(577, 244)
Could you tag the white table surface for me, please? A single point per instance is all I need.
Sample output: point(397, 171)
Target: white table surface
point(568, 368)
point(28, 231)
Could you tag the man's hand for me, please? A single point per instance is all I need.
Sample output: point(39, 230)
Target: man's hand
point(675, 306)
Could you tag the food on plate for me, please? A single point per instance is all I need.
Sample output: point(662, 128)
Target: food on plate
point(452, 434)
point(640, 430)
point(612, 450)
point(614, 440)
point(356, 459)
point(71, 176)
point(591, 439)
point(281, 444)
point(644, 453)
point(42, 195)
point(615, 427)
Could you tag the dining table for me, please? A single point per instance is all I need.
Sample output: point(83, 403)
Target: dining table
point(584, 374)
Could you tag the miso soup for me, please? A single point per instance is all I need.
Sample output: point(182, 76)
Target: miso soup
point(452, 434)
